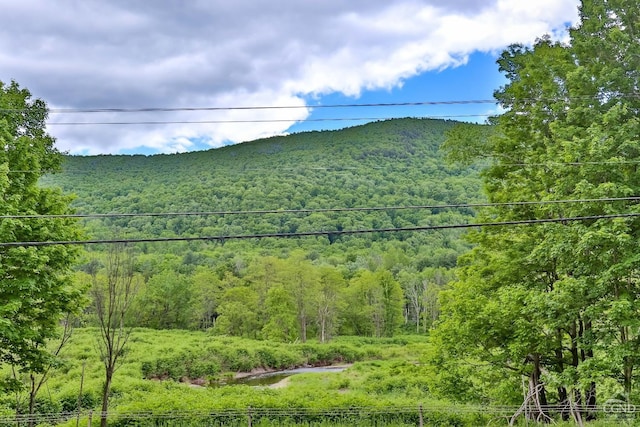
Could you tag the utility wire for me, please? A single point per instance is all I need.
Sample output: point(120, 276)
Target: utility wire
point(335, 168)
point(318, 233)
point(266, 107)
point(616, 162)
point(326, 210)
point(282, 107)
point(328, 119)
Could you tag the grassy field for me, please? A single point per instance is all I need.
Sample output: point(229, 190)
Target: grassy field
point(172, 378)
point(176, 374)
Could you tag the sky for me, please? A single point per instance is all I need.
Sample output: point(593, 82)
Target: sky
point(224, 58)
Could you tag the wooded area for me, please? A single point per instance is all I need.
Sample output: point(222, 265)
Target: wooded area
point(539, 307)
point(286, 289)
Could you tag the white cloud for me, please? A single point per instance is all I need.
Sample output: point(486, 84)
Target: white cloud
point(213, 128)
point(206, 53)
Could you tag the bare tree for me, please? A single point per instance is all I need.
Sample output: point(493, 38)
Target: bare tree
point(112, 298)
point(414, 290)
point(36, 380)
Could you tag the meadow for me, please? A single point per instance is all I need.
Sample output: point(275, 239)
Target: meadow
point(174, 377)
point(178, 378)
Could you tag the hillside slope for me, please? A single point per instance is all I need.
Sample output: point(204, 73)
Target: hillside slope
point(389, 163)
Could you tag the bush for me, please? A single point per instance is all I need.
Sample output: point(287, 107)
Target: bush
point(88, 400)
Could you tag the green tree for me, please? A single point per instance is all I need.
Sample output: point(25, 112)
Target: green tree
point(264, 273)
point(207, 292)
point(166, 302)
point(301, 279)
point(281, 322)
point(238, 312)
point(35, 283)
point(328, 303)
point(433, 281)
point(392, 302)
point(34, 381)
point(421, 291)
point(558, 302)
point(373, 304)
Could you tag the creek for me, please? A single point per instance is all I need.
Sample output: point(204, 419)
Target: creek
point(270, 378)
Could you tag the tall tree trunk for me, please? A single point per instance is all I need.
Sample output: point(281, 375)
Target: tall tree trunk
point(627, 367)
point(32, 401)
point(575, 358)
point(303, 327)
point(578, 410)
point(105, 396)
point(563, 400)
point(590, 393)
point(539, 410)
point(323, 322)
point(627, 363)
point(591, 402)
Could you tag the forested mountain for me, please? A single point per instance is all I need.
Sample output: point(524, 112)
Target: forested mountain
point(394, 163)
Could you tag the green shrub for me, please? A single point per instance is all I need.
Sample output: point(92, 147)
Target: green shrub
point(203, 368)
point(88, 400)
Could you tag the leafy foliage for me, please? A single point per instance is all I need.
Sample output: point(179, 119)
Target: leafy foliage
point(558, 303)
point(35, 286)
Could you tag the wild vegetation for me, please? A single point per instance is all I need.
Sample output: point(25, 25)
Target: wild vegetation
point(369, 284)
point(178, 372)
point(306, 291)
point(542, 318)
point(558, 303)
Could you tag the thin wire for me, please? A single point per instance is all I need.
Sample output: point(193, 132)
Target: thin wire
point(616, 162)
point(181, 122)
point(281, 107)
point(265, 107)
point(296, 211)
point(318, 233)
point(342, 168)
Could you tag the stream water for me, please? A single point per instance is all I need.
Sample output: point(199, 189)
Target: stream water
point(269, 378)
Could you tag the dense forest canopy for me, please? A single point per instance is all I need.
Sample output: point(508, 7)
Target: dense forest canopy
point(284, 288)
point(392, 163)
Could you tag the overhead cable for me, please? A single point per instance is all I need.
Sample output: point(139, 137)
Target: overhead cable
point(332, 168)
point(327, 119)
point(284, 107)
point(329, 234)
point(268, 107)
point(325, 210)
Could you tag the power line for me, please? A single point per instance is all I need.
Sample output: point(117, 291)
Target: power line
point(325, 210)
point(284, 107)
point(329, 234)
point(326, 119)
point(265, 107)
point(338, 168)
point(616, 162)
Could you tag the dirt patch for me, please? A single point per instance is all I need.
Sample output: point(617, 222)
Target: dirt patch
point(281, 384)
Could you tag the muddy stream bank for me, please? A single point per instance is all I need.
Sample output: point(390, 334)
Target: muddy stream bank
point(277, 379)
